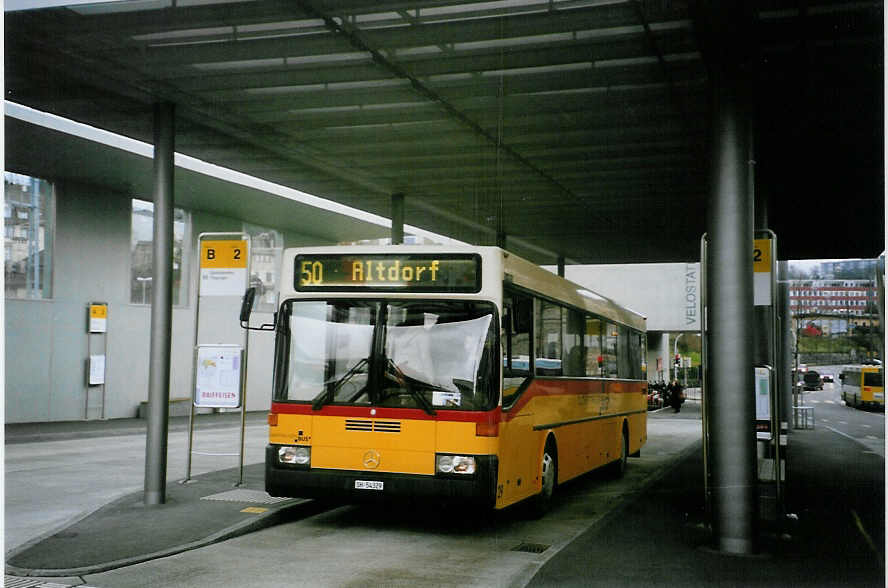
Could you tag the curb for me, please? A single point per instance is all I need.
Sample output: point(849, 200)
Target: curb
point(302, 507)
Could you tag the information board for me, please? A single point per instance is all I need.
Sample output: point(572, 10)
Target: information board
point(405, 272)
point(218, 381)
point(98, 317)
point(763, 402)
point(761, 268)
point(223, 267)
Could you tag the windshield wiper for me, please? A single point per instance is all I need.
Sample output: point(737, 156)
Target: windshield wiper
point(404, 380)
point(330, 393)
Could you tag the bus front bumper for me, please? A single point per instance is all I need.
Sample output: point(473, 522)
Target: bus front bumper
point(478, 489)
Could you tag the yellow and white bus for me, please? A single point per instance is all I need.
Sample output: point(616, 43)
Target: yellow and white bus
point(452, 374)
point(863, 385)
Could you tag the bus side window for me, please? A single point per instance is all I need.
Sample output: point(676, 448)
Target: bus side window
point(548, 340)
point(517, 318)
point(592, 340)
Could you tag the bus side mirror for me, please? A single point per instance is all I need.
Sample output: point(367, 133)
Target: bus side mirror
point(247, 304)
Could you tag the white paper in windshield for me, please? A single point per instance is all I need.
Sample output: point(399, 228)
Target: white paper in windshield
point(446, 398)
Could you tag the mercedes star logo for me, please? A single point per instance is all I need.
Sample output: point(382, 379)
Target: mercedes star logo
point(371, 459)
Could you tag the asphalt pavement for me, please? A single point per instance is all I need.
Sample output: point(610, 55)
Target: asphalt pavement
point(834, 536)
point(835, 489)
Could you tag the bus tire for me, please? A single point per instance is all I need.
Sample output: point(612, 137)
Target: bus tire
point(542, 502)
point(618, 468)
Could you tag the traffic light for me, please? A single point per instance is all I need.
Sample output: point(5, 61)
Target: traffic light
point(677, 360)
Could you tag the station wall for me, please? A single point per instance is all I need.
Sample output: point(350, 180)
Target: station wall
point(46, 340)
point(668, 294)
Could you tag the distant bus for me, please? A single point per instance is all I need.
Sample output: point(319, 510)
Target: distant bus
point(438, 374)
point(863, 385)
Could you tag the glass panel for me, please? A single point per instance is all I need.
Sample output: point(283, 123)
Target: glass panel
point(624, 364)
point(548, 340)
point(872, 379)
point(28, 232)
point(644, 355)
point(266, 248)
point(594, 357)
point(518, 318)
point(428, 354)
point(574, 357)
point(437, 348)
point(330, 347)
point(610, 351)
point(142, 254)
point(635, 355)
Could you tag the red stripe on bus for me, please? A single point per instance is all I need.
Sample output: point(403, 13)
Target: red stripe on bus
point(539, 387)
point(566, 387)
point(417, 414)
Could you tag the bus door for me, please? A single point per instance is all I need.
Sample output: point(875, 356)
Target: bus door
point(518, 440)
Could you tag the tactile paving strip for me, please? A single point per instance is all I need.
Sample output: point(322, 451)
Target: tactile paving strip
point(244, 495)
point(19, 582)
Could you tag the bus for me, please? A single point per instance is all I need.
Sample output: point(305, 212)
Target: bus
point(863, 385)
point(447, 374)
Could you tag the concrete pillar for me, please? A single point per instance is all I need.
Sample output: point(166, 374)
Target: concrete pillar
point(161, 306)
point(730, 292)
point(397, 219)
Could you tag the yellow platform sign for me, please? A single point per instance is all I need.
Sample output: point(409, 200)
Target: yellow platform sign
point(223, 254)
point(223, 267)
point(761, 255)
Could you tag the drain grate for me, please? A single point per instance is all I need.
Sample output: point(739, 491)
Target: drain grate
point(243, 495)
point(531, 547)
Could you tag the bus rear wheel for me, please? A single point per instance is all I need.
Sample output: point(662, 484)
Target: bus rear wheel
point(618, 468)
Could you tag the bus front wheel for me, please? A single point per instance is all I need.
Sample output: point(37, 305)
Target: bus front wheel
point(542, 502)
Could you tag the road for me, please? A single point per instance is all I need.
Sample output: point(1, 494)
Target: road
point(866, 427)
point(342, 546)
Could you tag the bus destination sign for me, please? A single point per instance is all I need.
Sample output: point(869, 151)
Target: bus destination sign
point(388, 271)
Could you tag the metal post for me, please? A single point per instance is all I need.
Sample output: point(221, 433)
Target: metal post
point(397, 219)
point(561, 265)
point(730, 301)
point(501, 239)
point(786, 344)
point(161, 306)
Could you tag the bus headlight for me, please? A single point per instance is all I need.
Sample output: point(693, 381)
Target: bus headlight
point(455, 464)
point(295, 455)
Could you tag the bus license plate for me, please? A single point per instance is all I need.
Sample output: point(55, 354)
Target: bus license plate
point(368, 485)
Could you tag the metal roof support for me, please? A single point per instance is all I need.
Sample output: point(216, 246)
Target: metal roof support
point(397, 219)
point(785, 343)
point(352, 34)
point(161, 306)
point(730, 291)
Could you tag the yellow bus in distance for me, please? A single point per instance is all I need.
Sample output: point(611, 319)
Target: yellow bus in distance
point(462, 374)
point(863, 385)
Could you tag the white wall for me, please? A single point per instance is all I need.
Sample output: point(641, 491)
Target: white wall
point(668, 294)
point(46, 340)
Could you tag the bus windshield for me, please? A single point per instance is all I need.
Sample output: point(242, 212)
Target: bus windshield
point(427, 354)
point(872, 379)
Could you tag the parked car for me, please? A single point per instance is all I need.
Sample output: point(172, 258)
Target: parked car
point(812, 380)
point(827, 378)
